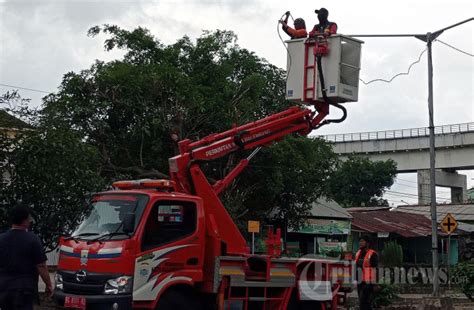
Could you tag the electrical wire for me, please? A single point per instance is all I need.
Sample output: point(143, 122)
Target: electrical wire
point(399, 179)
point(286, 47)
point(398, 74)
point(455, 48)
point(412, 186)
point(331, 208)
point(25, 88)
point(406, 195)
point(390, 192)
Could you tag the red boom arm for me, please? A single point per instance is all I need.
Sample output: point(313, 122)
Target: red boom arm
point(189, 178)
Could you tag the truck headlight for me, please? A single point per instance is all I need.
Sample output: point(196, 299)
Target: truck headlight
point(58, 282)
point(120, 285)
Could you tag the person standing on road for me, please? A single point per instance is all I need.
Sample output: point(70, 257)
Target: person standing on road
point(367, 262)
point(22, 258)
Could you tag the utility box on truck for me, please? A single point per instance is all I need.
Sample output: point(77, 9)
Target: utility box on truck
point(340, 70)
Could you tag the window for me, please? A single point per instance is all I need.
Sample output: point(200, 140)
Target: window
point(169, 221)
point(105, 214)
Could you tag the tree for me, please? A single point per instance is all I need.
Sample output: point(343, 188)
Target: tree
point(287, 178)
point(123, 118)
point(51, 171)
point(134, 110)
point(361, 182)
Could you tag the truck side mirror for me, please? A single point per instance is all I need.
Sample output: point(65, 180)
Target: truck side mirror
point(129, 223)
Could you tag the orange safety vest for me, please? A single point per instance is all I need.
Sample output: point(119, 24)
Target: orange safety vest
point(369, 274)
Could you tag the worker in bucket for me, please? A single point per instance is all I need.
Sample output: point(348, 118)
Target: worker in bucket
point(324, 27)
point(300, 27)
point(367, 262)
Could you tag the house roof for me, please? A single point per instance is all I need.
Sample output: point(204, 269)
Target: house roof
point(466, 227)
point(9, 121)
point(401, 223)
point(329, 208)
point(367, 209)
point(461, 212)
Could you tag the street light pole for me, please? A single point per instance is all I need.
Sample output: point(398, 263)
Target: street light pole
point(434, 217)
point(429, 38)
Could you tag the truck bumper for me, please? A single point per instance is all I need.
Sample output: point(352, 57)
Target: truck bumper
point(102, 302)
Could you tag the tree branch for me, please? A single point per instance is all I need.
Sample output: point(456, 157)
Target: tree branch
point(138, 171)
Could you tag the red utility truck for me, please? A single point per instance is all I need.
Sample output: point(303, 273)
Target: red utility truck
point(170, 244)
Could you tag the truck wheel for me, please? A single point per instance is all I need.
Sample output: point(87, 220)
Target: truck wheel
point(174, 300)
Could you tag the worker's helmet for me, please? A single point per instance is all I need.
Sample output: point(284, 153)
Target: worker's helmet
point(300, 24)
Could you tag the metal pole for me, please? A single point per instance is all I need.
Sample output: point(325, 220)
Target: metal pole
point(253, 243)
point(448, 250)
point(428, 38)
point(434, 220)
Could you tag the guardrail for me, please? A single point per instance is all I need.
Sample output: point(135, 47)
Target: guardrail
point(399, 133)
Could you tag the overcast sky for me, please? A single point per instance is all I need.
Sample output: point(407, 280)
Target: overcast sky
point(42, 40)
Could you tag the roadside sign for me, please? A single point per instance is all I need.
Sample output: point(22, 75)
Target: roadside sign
point(449, 224)
point(254, 226)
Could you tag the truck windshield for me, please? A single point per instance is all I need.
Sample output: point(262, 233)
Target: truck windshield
point(106, 213)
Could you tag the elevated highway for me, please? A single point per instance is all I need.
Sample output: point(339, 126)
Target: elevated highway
point(409, 148)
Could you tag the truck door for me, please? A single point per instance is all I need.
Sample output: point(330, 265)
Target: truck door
point(171, 248)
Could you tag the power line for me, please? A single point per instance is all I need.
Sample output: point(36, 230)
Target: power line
point(412, 186)
point(395, 193)
point(398, 74)
point(25, 88)
point(399, 179)
point(407, 195)
point(454, 48)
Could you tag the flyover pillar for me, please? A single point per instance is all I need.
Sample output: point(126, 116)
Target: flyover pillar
point(444, 178)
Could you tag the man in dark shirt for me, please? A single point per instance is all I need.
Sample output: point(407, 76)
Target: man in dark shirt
point(367, 262)
point(324, 27)
point(22, 258)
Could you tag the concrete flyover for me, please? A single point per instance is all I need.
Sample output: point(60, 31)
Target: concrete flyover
point(410, 149)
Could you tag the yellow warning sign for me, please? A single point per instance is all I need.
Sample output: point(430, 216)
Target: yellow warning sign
point(448, 224)
point(254, 226)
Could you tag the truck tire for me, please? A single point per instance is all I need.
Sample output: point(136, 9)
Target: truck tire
point(175, 300)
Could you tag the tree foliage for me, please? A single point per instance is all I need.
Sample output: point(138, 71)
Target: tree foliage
point(392, 254)
point(288, 177)
point(134, 110)
point(361, 182)
point(50, 171)
point(131, 109)
point(122, 119)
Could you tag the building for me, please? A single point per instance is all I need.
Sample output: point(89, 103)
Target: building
point(10, 125)
point(411, 231)
point(410, 226)
point(462, 242)
point(326, 231)
point(470, 195)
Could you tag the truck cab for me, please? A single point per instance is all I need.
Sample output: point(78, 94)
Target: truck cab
point(132, 245)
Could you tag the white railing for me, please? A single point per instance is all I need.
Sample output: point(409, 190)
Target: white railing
point(399, 133)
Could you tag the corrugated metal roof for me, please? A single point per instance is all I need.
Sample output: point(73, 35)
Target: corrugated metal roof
point(367, 209)
point(466, 227)
point(329, 208)
point(402, 223)
point(461, 212)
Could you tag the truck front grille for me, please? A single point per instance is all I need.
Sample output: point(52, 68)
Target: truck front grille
point(92, 284)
